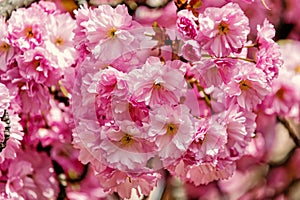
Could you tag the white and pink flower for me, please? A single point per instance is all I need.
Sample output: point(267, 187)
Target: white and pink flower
point(156, 83)
point(223, 30)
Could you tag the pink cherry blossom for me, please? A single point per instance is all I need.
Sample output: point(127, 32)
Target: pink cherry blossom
point(214, 71)
point(191, 51)
point(284, 96)
point(80, 40)
point(90, 188)
point(223, 30)
point(25, 28)
point(15, 131)
point(289, 51)
point(248, 87)
point(265, 34)
point(209, 140)
point(269, 60)
point(31, 180)
point(126, 147)
point(108, 28)
point(172, 129)
point(120, 106)
point(33, 65)
point(238, 134)
point(59, 42)
point(207, 172)
point(186, 24)
point(156, 83)
point(103, 86)
point(143, 183)
point(6, 49)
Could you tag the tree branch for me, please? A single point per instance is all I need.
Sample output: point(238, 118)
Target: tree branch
point(8, 6)
point(293, 134)
point(5, 119)
point(81, 2)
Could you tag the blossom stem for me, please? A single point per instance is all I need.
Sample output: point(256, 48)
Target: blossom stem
point(195, 82)
point(232, 57)
point(244, 59)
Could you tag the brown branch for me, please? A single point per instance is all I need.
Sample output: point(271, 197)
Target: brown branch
point(81, 176)
point(5, 119)
point(293, 134)
point(8, 6)
point(81, 2)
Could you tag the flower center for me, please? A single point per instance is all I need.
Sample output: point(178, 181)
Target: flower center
point(245, 85)
point(297, 69)
point(112, 32)
point(223, 28)
point(157, 85)
point(29, 33)
point(4, 47)
point(171, 129)
point(126, 139)
point(280, 94)
point(36, 63)
point(59, 42)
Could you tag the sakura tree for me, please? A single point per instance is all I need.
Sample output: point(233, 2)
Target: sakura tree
point(132, 99)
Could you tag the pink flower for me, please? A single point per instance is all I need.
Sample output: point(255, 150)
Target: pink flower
point(289, 50)
point(15, 131)
point(164, 16)
point(59, 40)
point(6, 50)
point(223, 30)
point(238, 134)
point(31, 176)
point(109, 31)
point(26, 28)
point(268, 58)
point(90, 188)
point(17, 177)
point(47, 6)
point(103, 87)
point(32, 93)
point(33, 66)
point(248, 87)
point(156, 83)
point(202, 172)
point(126, 147)
point(191, 51)
point(142, 183)
point(172, 129)
point(265, 34)
point(208, 172)
point(209, 141)
point(284, 97)
point(186, 24)
point(4, 98)
point(214, 71)
point(82, 16)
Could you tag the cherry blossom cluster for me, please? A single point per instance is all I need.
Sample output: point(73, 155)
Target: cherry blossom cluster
point(105, 102)
point(37, 55)
point(183, 99)
point(271, 157)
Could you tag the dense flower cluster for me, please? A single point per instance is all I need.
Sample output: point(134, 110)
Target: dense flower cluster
point(101, 103)
point(194, 117)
